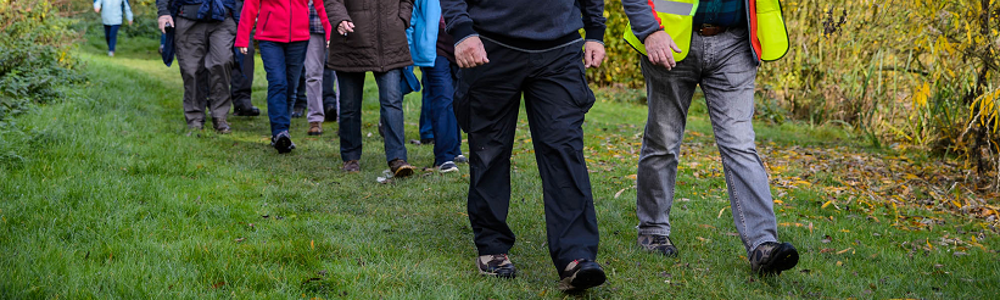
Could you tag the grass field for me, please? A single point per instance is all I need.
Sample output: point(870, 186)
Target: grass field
point(106, 195)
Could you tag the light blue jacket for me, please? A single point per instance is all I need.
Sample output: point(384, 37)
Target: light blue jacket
point(423, 32)
point(112, 11)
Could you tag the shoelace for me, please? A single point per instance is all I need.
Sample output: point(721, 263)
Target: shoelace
point(660, 240)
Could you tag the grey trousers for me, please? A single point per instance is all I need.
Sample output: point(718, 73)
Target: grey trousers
point(723, 65)
point(205, 47)
point(315, 59)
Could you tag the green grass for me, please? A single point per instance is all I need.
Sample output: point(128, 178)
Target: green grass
point(106, 195)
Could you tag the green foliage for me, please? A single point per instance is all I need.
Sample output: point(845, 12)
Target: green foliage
point(34, 57)
point(917, 72)
point(621, 69)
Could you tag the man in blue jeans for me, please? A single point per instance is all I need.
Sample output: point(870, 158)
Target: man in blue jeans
point(721, 58)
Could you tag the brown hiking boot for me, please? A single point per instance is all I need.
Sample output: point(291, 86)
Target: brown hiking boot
point(315, 128)
point(400, 168)
point(351, 166)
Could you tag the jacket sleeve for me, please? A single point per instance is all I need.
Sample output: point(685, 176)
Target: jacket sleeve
point(97, 4)
point(456, 16)
point(593, 19)
point(336, 12)
point(406, 11)
point(248, 19)
point(128, 10)
point(642, 15)
point(323, 18)
point(163, 7)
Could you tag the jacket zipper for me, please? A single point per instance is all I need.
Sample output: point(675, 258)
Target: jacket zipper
point(289, 21)
point(267, 19)
point(378, 34)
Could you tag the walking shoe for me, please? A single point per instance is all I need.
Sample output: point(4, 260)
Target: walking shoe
point(111, 53)
point(400, 168)
point(381, 131)
point(246, 112)
point(221, 126)
point(496, 266)
point(580, 275)
point(657, 244)
point(283, 142)
point(330, 114)
point(195, 126)
point(298, 112)
point(460, 159)
point(315, 128)
point(771, 258)
point(448, 167)
point(351, 166)
point(426, 141)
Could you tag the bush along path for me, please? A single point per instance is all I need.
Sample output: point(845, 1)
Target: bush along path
point(109, 196)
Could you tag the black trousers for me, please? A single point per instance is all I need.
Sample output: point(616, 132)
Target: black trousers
point(242, 80)
point(556, 96)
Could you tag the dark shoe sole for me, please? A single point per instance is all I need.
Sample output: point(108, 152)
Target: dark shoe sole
point(785, 257)
point(583, 279)
point(504, 275)
point(403, 172)
point(315, 133)
point(283, 145)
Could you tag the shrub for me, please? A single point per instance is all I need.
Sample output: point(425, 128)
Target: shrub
point(34, 56)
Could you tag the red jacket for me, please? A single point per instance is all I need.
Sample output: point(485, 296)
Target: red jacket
point(282, 21)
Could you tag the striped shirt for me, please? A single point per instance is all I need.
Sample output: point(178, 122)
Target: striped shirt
point(730, 13)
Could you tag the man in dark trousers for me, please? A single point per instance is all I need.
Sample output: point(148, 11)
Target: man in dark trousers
point(514, 47)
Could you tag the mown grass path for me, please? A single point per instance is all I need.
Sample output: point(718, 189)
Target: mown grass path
point(108, 196)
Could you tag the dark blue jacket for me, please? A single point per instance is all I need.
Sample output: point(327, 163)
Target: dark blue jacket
point(528, 24)
point(211, 10)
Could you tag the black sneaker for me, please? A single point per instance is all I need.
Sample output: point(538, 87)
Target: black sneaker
point(580, 275)
point(330, 114)
point(282, 142)
point(448, 167)
point(246, 112)
point(426, 141)
point(460, 159)
point(656, 243)
point(771, 258)
point(496, 266)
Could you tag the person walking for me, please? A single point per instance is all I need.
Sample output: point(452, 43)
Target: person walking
point(309, 88)
point(242, 82)
point(716, 45)
point(506, 51)
point(111, 15)
point(283, 35)
point(377, 45)
point(439, 78)
point(203, 42)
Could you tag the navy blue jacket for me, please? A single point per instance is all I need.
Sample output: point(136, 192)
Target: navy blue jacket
point(528, 24)
point(211, 10)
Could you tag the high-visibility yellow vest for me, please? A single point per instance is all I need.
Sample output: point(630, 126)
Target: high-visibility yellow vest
point(768, 37)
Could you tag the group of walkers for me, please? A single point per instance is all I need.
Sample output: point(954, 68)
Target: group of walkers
point(479, 59)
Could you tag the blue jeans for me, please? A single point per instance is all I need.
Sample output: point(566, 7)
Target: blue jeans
point(283, 64)
point(426, 130)
point(390, 98)
point(724, 68)
point(439, 92)
point(111, 36)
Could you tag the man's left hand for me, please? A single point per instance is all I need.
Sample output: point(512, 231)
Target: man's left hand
point(593, 54)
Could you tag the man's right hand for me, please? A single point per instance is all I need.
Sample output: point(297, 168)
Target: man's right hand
point(163, 21)
point(658, 48)
point(470, 53)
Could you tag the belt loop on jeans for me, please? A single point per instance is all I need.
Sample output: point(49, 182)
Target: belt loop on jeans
point(706, 29)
